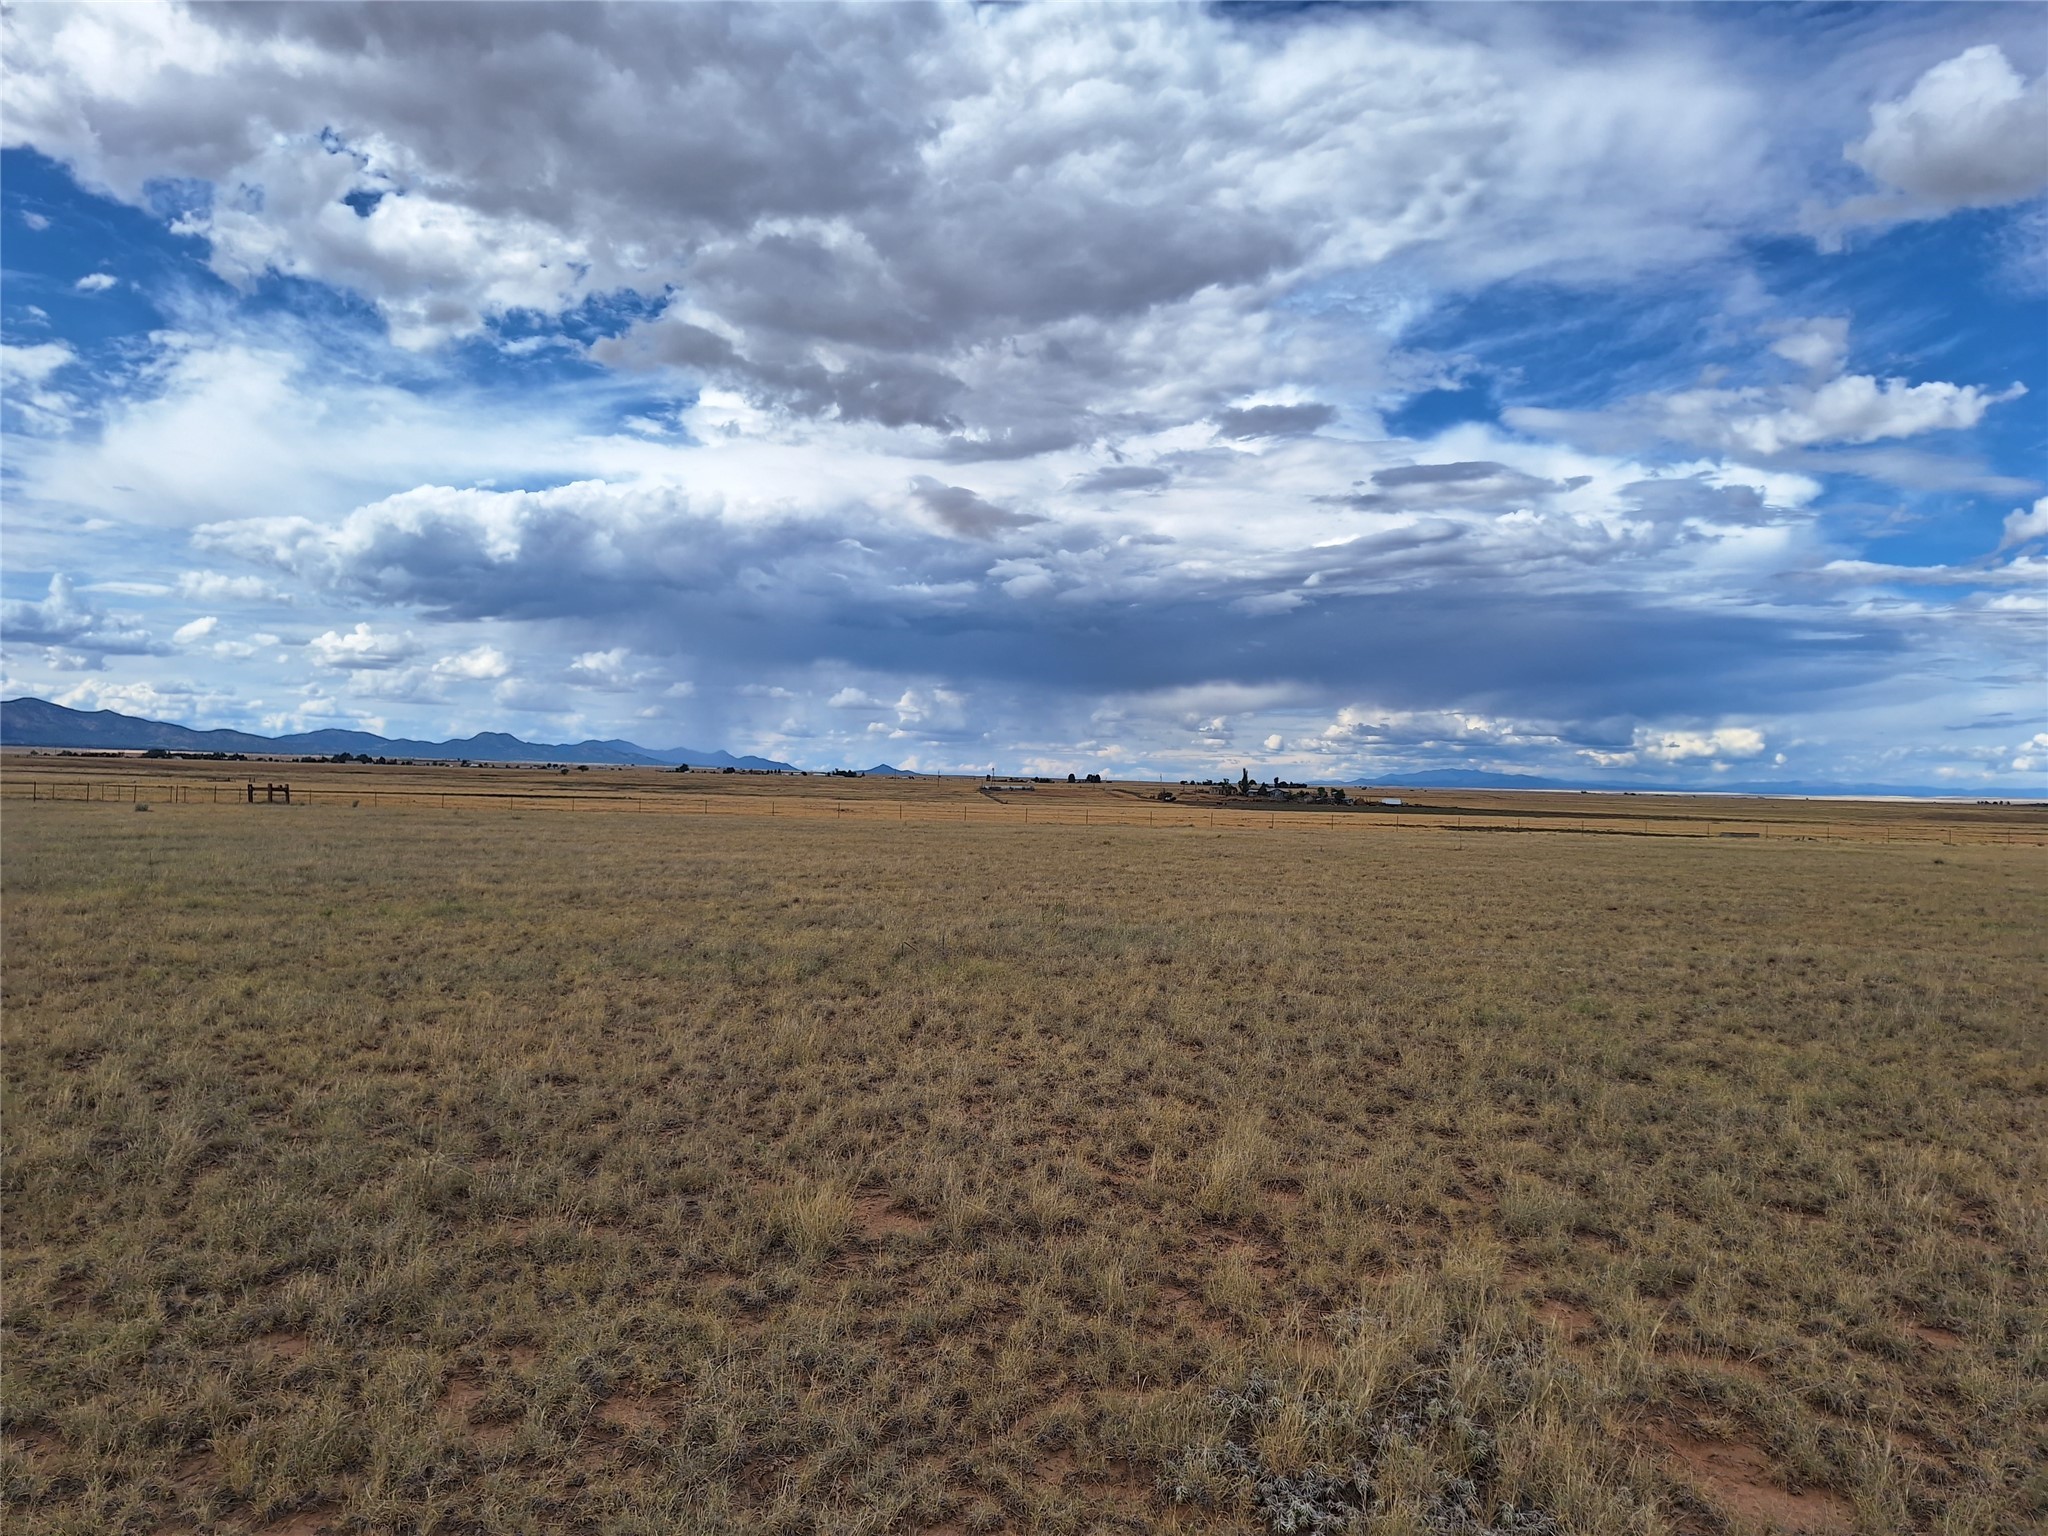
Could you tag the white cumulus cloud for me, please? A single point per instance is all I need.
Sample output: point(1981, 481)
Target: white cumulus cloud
point(1854, 408)
point(602, 669)
point(1678, 746)
point(2022, 525)
point(1821, 411)
point(1971, 133)
point(482, 662)
point(62, 618)
point(1820, 346)
point(362, 649)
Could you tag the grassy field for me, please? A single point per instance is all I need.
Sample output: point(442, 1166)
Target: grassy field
point(490, 789)
point(391, 1169)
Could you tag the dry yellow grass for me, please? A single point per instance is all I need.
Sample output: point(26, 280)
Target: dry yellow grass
point(491, 789)
point(393, 1170)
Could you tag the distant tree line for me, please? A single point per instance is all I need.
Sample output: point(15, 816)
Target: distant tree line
point(1247, 787)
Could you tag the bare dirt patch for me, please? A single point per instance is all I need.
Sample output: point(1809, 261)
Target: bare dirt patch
point(1726, 1365)
point(1186, 1315)
point(460, 1400)
point(633, 1415)
point(40, 1445)
point(1801, 1215)
point(1283, 1195)
point(313, 1520)
point(462, 1393)
point(1738, 1479)
point(877, 1218)
point(1254, 1250)
point(1054, 1469)
point(1116, 1485)
point(1573, 1321)
point(285, 1345)
point(196, 1471)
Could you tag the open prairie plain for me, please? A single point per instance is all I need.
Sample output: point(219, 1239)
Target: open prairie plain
point(374, 1167)
point(489, 788)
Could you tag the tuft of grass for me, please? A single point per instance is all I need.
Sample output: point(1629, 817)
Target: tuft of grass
point(1238, 1163)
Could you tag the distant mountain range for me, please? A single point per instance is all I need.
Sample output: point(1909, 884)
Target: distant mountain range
point(29, 722)
point(1471, 778)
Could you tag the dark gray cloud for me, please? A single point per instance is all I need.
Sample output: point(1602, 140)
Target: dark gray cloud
point(966, 513)
point(922, 217)
point(1415, 617)
point(1274, 420)
point(1463, 473)
point(1124, 477)
point(1474, 483)
point(1693, 496)
point(544, 111)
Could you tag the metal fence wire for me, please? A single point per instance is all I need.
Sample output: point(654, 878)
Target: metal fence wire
point(982, 812)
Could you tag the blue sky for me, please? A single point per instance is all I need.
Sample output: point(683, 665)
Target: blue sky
point(1651, 394)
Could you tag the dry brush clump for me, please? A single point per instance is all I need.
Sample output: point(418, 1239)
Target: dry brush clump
point(384, 1171)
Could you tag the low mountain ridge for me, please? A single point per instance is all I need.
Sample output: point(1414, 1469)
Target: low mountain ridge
point(33, 722)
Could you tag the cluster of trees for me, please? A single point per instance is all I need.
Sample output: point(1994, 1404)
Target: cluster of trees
point(1281, 789)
